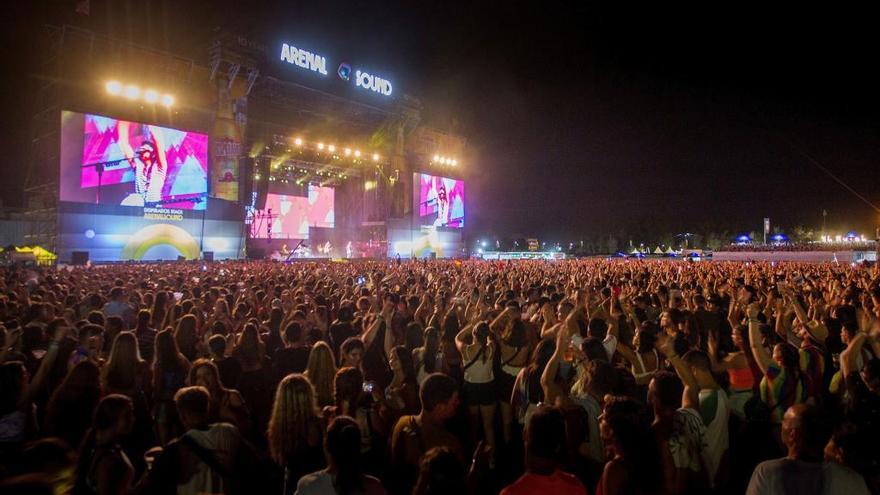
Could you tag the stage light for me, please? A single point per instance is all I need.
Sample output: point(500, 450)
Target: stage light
point(151, 96)
point(131, 92)
point(357, 153)
point(331, 148)
point(375, 157)
point(436, 158)
point(321, 146)
point(347, 151)
point(454, 163)
point(114, 88)
point(298, 141)
point(167, 100)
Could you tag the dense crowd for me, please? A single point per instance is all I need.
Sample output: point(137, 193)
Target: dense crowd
point(569, 377)
point(801, 246)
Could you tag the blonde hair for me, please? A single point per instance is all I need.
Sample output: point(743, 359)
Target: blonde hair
point(321, 371)
point(293, 413)
point(122, 366)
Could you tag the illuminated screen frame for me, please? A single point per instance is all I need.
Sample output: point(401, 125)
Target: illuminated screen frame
point(426, 208)
point(93, 139)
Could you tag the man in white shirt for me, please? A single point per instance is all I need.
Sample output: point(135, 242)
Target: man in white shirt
point(805, 432)
point(714, 410)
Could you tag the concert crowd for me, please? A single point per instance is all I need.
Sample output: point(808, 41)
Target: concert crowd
point(436, 377)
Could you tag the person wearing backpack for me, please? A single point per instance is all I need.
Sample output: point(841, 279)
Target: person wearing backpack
point(208, 458)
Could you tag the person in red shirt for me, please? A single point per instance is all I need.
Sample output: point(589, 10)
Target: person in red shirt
point(545, 451)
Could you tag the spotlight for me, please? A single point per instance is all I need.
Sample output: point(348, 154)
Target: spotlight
point(442, 160)
point(320, 146)
point(375, 157)
point(454, 163)
point(114, 88)
point(298, 141)
point(436, 158)
point(347, 151)
point(167, 100)
point(357, 153)
point(131, 92)
point(331, 148)
point(151, 96)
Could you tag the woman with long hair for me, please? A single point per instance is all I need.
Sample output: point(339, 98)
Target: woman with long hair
point(478, 392)
point(642, 356)
point(103, 467)
point(513, 355)
point(159, 313)
point(170, 369)
point(739, 364)
point(125, 372)
point(227, 405)
point(72, 405)
point(527, 391)
point(321, 371)
point(344, 474)
point(256, 381)
point(187, 337)
point(295, 432)
point(401, 396)
point(633, 467)
point(428, 358)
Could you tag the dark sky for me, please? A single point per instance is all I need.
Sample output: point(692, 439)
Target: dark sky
point(582, 118)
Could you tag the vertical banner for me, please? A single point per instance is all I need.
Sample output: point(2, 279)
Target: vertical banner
point(226, 147)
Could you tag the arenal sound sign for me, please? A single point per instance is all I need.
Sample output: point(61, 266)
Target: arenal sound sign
point(313, 62)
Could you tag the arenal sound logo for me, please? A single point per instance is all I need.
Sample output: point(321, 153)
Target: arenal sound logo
point(344, 71)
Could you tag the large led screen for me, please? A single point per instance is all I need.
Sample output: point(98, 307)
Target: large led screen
point(440, 201)
point(118, 162)
point(292, 216)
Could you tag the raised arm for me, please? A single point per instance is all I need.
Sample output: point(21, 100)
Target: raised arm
point(762, 357)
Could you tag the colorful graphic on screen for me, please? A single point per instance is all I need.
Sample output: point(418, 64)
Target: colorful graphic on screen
point(441, 201)
point(119, 162)
point(291, 216)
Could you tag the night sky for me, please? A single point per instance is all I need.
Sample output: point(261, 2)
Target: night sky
point(582, 119)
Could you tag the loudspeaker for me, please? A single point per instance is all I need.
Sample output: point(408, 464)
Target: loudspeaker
point(79, 257)
point(255, 253)
point(246, 183)
point(261, 181)
point(208, 256)
point(181, 257)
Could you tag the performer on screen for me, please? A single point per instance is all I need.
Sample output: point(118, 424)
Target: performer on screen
point(147, 163)
point(442, 207)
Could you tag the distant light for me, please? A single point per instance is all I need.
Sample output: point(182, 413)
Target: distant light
point(484, 243)
point(375, 157)
point(347, 151)
point(131, 92)
point(480, 250)
point(331, 148)
point(320, 146)
point(151, 96)
point(90, 234)
point(256, 176)
point(454, 163)
point(436, 158)
point(298, 141)
point(114, 88)
point(167, 100)
point(357, 153)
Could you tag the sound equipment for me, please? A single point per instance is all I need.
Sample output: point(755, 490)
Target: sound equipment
point(79, 257)
point(255, 253)
point(261, 181)
point(208, 256)
point(245, 186)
